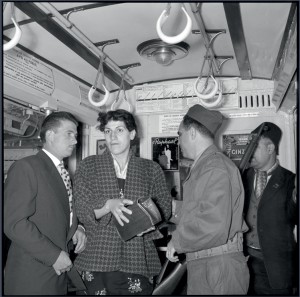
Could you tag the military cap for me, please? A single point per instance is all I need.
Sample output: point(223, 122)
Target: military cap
point(211, 119)
point(271, 131)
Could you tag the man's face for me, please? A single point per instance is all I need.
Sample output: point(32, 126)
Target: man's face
point(62, 140)
point(184, 141)
point(262, 155)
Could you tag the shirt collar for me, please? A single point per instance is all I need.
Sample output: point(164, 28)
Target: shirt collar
point(52, 157)
point(119, 173)
point(270, 171)
point(211, 149)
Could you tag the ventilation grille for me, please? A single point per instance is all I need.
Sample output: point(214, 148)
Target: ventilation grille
point(248, 101)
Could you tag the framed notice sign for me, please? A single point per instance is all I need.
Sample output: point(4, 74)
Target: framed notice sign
point(165, 152)
point(234, 146)
point(101, 146)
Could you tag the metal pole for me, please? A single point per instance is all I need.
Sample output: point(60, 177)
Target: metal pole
point(196, 11)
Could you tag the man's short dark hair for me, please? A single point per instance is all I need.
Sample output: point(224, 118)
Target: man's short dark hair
point(189, 122)
point(117, 115)
point(53, 121)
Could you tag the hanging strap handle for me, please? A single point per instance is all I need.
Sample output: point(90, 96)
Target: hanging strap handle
point(122, 89)
point(94, 87)
point(210, 74)
point(15, 40)
point(181, 36)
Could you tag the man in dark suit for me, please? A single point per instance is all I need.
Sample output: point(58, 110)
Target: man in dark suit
point(271, 214)
point(39, 217)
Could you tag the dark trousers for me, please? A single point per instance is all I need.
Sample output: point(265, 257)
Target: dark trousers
point(259, 281)
point(115, 283)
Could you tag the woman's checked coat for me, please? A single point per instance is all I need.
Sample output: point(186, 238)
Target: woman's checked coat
point(95, 183)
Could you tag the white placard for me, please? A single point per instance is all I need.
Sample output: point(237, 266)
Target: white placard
point(244, 115)
point(169, 123)
point(28, 70)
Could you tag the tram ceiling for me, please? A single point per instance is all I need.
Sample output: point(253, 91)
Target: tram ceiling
point(252, 42)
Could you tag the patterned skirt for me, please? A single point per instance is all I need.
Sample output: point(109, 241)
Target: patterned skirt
point(115, 283)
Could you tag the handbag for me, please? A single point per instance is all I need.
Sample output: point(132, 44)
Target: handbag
point(145, 215)
point(167, 284)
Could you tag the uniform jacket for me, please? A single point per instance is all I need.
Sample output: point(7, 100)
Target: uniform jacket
point(95, 183)
point(37, 221)
point(213, 201)
point(276, 218)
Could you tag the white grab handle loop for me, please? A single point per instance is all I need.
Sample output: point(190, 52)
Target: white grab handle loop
point(15, 40)
point(173, 39)
point(100, 103)
point(214, 103)
point(119, 92)
point(113, 105)
point(209, 95)
point(93, 88)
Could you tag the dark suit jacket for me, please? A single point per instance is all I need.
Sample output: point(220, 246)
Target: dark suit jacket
point(276, 218)
point(37, 221)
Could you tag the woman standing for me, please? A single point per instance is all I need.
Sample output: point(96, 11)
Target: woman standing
point(104, 186)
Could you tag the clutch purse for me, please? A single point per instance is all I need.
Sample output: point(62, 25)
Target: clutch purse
point(167, 283)
point(145, 214)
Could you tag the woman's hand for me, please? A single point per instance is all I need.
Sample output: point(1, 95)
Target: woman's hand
point(117, 207)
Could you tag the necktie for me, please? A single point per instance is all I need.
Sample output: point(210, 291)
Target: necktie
point(66, 178)
point(261, 181)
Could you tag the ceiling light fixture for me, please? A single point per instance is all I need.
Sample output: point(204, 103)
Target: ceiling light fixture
point(162, 52)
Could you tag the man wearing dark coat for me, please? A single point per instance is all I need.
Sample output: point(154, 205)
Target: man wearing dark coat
point(39, 218)
point(271, 214)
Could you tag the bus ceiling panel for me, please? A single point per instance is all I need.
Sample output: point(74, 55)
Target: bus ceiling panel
point(45, 21)
point(264, 25)
point(291, 26)
point(254, 37)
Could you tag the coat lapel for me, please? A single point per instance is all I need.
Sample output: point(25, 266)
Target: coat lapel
point(57, 184)
point(273, 185)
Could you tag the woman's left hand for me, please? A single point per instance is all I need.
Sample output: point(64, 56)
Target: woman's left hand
point(117, 207)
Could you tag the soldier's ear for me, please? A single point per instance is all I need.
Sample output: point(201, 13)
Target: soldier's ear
point(192, 132)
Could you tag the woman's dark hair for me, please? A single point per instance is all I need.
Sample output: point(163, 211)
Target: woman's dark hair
point(188, 122)
point(117, 115)
point(53, 121)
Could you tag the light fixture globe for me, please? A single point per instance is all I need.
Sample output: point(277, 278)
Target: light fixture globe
point(161, 52)
point(163, 56)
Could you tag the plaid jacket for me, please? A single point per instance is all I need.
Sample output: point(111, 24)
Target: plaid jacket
point(95, 183)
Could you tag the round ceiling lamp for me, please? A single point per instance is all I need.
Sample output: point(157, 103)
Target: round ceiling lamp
point(162, 52)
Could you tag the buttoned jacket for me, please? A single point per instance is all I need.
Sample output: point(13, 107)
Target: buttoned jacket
point(95, 183)
point(37, 221)
point(212, 207)
point(276, 218)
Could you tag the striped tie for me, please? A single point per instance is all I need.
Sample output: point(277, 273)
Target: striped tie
point(66, 178)
point(261, 181)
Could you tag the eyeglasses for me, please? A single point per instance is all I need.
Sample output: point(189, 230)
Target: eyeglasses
point(118, 131)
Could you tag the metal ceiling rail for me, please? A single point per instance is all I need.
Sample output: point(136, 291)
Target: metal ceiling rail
point(71, 27)
point(235, 25)
point(65, 11)
point(65, 37)
point(197, 14)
